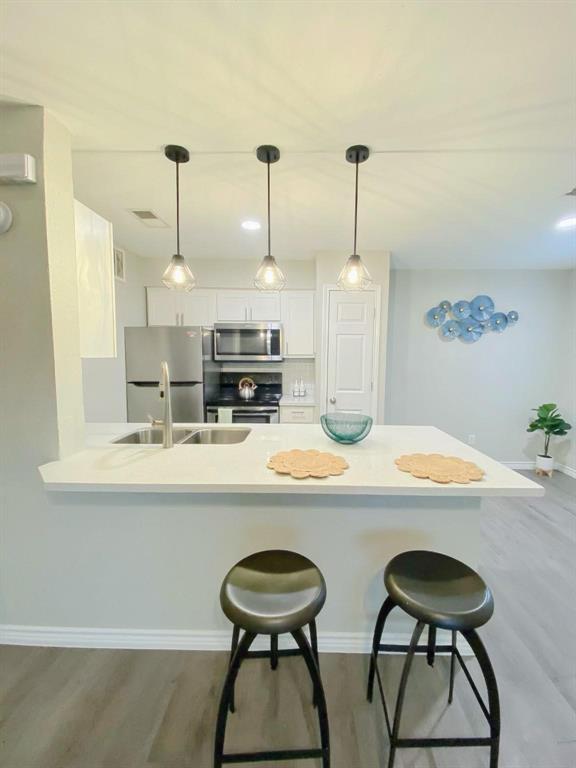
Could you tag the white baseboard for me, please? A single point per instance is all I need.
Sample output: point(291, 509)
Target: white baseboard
point(564, 468)
point(182, 640)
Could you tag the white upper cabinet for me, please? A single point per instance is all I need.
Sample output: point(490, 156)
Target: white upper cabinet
point(96, 288)
point(232, 307)
point(297, 314)
point(294, 309)
point(247, 306)
point(198, 307)
point(166, 307)
point(162, 306)
point(264, 307)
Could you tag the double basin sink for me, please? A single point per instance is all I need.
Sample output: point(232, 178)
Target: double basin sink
point(184, 436)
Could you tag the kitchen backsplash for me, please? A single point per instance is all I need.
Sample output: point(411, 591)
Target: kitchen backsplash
point(296, 368)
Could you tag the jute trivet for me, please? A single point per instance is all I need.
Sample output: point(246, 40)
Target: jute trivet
point(302, 464)
point(440, 469)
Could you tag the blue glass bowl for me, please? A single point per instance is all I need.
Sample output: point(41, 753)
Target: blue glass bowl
point(345, 427)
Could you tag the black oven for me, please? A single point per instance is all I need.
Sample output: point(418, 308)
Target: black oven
point(248, 342)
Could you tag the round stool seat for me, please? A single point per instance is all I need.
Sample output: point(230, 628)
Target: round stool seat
point(438, 590)
point(272, 592)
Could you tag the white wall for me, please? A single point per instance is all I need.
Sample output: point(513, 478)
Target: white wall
point(486, 388)
point(104, 379)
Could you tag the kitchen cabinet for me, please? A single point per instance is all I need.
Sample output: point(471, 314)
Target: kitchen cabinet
point(292, 414)
point(247, 306)
point(297, 315)
point(96, 286)
point(166, 307)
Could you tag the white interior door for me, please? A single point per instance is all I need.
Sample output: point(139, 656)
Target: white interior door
point(350, 362)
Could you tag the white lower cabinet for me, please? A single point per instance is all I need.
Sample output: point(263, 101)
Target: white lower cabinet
point(293, 414)
point(166, 307)
point(297, 314)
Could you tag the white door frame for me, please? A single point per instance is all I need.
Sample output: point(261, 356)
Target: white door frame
point(324, 348)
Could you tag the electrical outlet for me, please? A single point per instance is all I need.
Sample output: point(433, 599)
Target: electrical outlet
point(471, 439)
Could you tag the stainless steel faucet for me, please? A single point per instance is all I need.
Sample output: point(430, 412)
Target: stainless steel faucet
point(166, 422)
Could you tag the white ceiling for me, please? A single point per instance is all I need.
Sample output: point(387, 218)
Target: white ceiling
point(472, 106)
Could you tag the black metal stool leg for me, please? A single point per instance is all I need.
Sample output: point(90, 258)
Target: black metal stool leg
point(310, 660)
point(227, 692)
point(452, 666)
point(402, 690)
point(431, 652)
point(314, 646)
point(387, 606)
point(273, 651)
point(235, 636)
point(492, 687)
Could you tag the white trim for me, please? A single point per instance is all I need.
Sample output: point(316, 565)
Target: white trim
point(180, 639)
point(326, 288)
point(564, 468)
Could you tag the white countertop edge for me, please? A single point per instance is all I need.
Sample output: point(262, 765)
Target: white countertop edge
point(302, 488)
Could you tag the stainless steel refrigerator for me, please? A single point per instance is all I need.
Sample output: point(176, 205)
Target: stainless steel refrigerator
point(183, 348)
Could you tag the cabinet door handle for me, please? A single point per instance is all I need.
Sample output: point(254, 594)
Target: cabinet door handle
point(286, 347)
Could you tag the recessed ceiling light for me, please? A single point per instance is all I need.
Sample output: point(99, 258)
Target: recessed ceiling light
point(251, 225)
point(569, 222)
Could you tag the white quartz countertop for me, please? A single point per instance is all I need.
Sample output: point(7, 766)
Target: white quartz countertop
point(241, 467)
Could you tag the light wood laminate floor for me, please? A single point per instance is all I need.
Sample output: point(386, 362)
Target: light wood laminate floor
point(74, 708)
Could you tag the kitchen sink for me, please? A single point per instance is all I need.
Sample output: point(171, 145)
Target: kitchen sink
point(216, 436)
point(152, 436)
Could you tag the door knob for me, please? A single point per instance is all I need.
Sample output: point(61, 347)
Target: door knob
point(333, 400)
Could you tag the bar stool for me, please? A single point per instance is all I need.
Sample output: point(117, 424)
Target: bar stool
point(272, 593)
point(440, 592)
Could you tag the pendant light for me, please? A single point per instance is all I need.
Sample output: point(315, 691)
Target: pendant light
point(178, 275)
point(355, 276)
point(269, 276)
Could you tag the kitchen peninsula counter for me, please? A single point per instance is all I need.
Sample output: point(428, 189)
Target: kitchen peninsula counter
point(241, 467)
point(168, 524)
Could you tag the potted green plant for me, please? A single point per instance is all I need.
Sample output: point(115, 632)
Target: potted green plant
point(551, 423)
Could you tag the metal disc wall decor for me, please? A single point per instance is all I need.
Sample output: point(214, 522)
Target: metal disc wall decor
point(469, 320)
point(435, 317)
point(498, 322)
point(461, 309)
point(481, 307)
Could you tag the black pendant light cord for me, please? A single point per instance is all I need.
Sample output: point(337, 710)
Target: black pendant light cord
point(356, 209)
point(177, 207)
point(268, 167)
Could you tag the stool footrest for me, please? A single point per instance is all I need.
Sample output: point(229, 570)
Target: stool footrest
point(278, 754)
point(395, 648)
point(268, 654)
point(461, 741)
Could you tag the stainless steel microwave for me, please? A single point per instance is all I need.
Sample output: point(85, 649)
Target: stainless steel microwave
point(248, 342)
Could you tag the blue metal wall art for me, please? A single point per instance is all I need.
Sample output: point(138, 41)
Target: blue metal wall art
point(469, 320)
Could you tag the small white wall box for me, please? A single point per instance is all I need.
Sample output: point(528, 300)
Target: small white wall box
point(17, 169)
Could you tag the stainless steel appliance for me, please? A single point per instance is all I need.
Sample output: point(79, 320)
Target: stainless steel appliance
point(226, 404)
point(182, 349)
point(248, 342)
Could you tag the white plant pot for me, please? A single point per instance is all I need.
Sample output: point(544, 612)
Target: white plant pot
point(545, 464)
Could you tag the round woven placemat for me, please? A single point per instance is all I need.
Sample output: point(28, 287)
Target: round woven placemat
point(440, 469)
point(301, 464)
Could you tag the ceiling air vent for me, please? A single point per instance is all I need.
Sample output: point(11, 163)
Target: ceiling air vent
point(148, 218)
